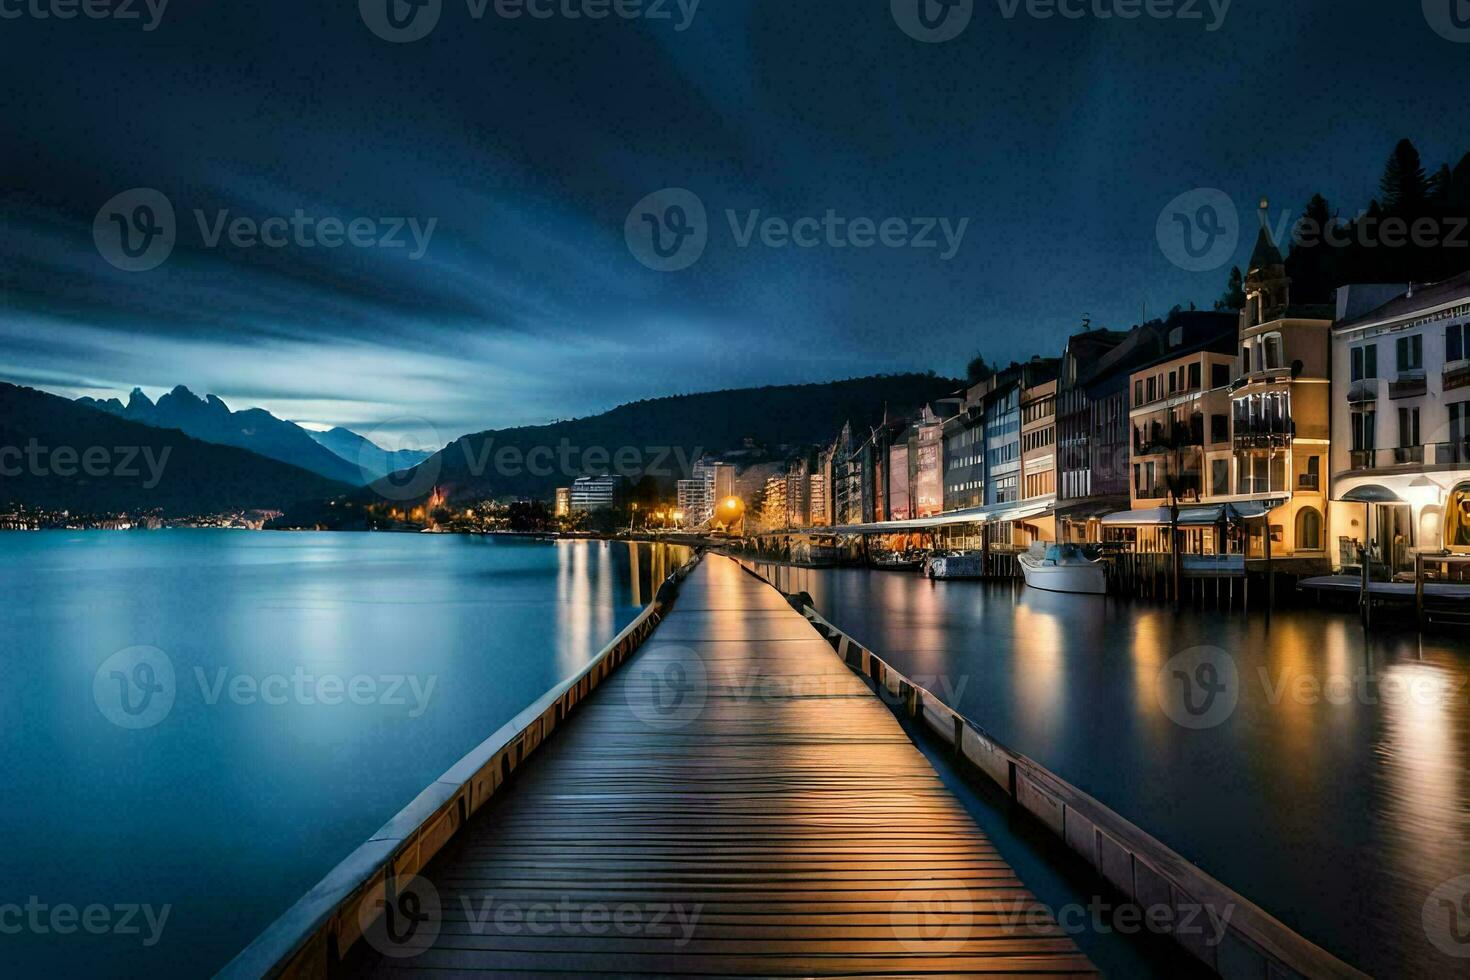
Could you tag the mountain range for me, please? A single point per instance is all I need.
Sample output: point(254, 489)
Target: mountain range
point(661, 438)
point(57, 454)
point(210, 420)
point(220, 460)
point(372, 460)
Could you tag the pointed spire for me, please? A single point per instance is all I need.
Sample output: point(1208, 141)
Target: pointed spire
point(1265, 254)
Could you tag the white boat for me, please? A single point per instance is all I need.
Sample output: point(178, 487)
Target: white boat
point(957, 566)
point(1063, 568)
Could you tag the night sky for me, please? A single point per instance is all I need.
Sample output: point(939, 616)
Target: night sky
point(527, 142)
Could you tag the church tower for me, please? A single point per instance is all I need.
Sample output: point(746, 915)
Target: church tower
point(1267, 287)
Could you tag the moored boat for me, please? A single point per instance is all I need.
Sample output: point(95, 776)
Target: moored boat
point(1063, 568)
point(957, 565)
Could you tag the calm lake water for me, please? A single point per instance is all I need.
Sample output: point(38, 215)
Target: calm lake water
point(292, 692)
point(1329, 783)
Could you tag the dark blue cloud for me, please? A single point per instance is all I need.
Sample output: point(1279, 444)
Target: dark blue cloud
point(528, 141)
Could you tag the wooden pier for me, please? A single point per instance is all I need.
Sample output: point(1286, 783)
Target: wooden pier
point(738, 775)
point(732, 801)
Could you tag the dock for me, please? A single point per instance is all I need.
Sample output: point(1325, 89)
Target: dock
point(738, 779)
point(719, 796)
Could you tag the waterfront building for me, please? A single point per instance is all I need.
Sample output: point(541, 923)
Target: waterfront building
point(926, 457)
point(693, 502)
point(847, 479)
point(712, 482)
point(1003, 443)
point(1092, 426)
point(1400, 460)
point(818, 514)
point(1039, 441)
point(1179, 415)
point(773, 513)
point(1281, 413)
point(899, 496)
point(798, 491)
point(963, 461)
point(563, 501)
point(589, 493)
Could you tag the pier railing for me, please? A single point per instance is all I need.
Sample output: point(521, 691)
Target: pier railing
point(312, 937)
point(1254, 944)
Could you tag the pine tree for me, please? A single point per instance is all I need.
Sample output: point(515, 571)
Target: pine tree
point(1439, 186)
point(1404, 186)
point(978, 370)
point(1234, 298)
point(1459, 191)
point(1314, 265)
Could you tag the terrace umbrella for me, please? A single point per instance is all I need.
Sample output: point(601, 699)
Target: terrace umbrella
point(1369, 494)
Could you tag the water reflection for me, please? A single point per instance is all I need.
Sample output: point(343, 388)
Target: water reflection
point(239, 800)
point(1334, 793)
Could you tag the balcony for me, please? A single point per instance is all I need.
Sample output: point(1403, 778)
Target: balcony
point(1452, 453)
point(1374, 459)
point(1263, 433)
point(1363, 390)
point(1457, 376)
point(1309, 481)
point(1409, 384)
point(1408, 456)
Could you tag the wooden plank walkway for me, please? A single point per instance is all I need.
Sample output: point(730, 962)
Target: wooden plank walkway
point(733, 802)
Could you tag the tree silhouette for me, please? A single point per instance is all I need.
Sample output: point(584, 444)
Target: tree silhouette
point(1234, 298)
point(1404, 187)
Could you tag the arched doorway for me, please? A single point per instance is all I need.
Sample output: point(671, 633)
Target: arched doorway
point(1457, 519)
point(1309, 529)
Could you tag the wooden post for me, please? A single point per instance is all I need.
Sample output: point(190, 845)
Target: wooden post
point(1419, 589)
point(1270, 570)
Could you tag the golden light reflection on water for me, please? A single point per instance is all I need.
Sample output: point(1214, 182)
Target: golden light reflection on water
point(1423, 754)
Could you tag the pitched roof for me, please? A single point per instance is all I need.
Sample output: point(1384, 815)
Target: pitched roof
point(1423, 298)
point(1266, 253)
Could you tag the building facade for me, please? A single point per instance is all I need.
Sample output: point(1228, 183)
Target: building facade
point(1400, 460)
point(1281, 412)
point(589, 493)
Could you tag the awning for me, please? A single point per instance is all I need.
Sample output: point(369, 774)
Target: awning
point(1371, 493)
point(995, 513)
point(1207, 516)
